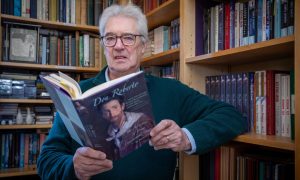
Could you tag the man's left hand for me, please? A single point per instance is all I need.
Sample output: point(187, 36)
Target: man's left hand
point(168, 135)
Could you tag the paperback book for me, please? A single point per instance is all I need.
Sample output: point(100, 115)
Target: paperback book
point(114, 117)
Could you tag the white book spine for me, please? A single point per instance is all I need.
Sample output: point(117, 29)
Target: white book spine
point(216, 28)
point(264, 104)
point(258, 103)
point(241, 24)
point(237, 24)
point(212, 29)
point(86, 50)
point(73, 11)
point(278, 104)
point(264, 20)
point(287, 115)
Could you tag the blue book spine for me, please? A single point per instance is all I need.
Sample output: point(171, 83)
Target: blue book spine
point(246, 99)
point(223, 88)
point(218, 88)
point(221, 26)
point(207, 86)
point(251, 103)
point(233, 90)
point(277, 20)
point(252, 22)
point(259, 20)
point(239, 92)
point(228, 89)
point(232, 24)
point(212, 87)
point(3, 151)
point(33, 9)
point(22, 150)
point(245, 24)
point(17, 7)
point(284, 18)
point(166, 38)
point(291, 17)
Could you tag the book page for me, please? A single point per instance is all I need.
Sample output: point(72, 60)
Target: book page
point(107, 85)
point(67, 86)
point(71, 80)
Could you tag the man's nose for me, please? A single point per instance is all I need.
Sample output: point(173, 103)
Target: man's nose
point(119, 44)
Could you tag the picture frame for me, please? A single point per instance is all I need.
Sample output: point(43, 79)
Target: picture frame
point(23, 44)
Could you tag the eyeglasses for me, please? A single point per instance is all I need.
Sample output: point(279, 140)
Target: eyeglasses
point(110, 40)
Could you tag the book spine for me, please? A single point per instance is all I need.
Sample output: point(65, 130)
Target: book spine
point(237, 24)
point(223, 88)
point(221, 26)
point(277, 18)
point(233, 90)
point(252, 22)
point(228, 89)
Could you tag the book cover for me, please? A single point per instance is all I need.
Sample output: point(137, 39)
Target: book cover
point(23, 43)
point(122, 107)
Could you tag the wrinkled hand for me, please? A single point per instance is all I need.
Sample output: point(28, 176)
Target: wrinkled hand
point(88, 162)
point(168, 135)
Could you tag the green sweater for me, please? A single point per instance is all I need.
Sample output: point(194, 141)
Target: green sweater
point(211, 123)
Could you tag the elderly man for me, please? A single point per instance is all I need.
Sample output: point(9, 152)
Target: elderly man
point(185, 119)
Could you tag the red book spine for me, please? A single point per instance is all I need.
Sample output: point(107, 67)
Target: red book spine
point(227, 26)
point(270, 102)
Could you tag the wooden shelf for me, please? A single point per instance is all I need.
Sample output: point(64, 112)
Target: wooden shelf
point(164, 14)
point(283, 143)
point(262, 51)
point(49, 24)
point(18, 172)
point(25, 126)
point(163, 58)
point(26, 101)
point(42, 67)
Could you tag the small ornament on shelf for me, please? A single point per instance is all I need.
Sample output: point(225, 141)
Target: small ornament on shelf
point(19, 117)
point(29, 118)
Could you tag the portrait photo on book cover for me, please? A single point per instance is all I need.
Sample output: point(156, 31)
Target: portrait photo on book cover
point(119, 124)
point(23, 44)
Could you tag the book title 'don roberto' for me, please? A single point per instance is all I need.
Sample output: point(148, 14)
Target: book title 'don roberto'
point(116, 92)
point(114, 117)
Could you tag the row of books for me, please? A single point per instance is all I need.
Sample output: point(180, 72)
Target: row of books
point(229, 162)
point(40, 114)
point(45, 46)
point(169, 71)
point(234, 24)
point(150, 5)
point(263, 97)
point(163, 38)
point(66, 11)
point(20, 150)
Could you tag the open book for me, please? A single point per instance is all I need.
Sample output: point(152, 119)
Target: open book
point(114, 117)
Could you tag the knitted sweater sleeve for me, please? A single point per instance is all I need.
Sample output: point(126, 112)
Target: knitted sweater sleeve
point(56, 158)
point(210, 122)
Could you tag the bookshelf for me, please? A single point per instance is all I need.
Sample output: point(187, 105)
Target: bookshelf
point(7, 65)
point(282, 53)
point(13, 172)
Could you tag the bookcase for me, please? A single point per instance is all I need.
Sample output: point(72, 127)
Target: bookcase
point(156, 17)
point(78, 70)
point(281, 53)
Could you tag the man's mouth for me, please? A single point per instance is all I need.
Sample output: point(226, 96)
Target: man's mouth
point(120, 57)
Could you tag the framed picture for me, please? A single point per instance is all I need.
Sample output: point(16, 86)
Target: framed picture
point(23, 44)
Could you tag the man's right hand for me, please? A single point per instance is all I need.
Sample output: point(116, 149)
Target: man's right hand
point(88, 162)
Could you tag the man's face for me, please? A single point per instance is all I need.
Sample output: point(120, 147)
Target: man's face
point(113, 111)
point(123, 59)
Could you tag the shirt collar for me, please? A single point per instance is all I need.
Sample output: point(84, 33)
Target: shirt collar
point(107, 77)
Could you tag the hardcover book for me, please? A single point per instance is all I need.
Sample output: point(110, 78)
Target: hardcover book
point(23, 44)
point(114, 117)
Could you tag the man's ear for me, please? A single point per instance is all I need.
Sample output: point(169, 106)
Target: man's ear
point(144, 46)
